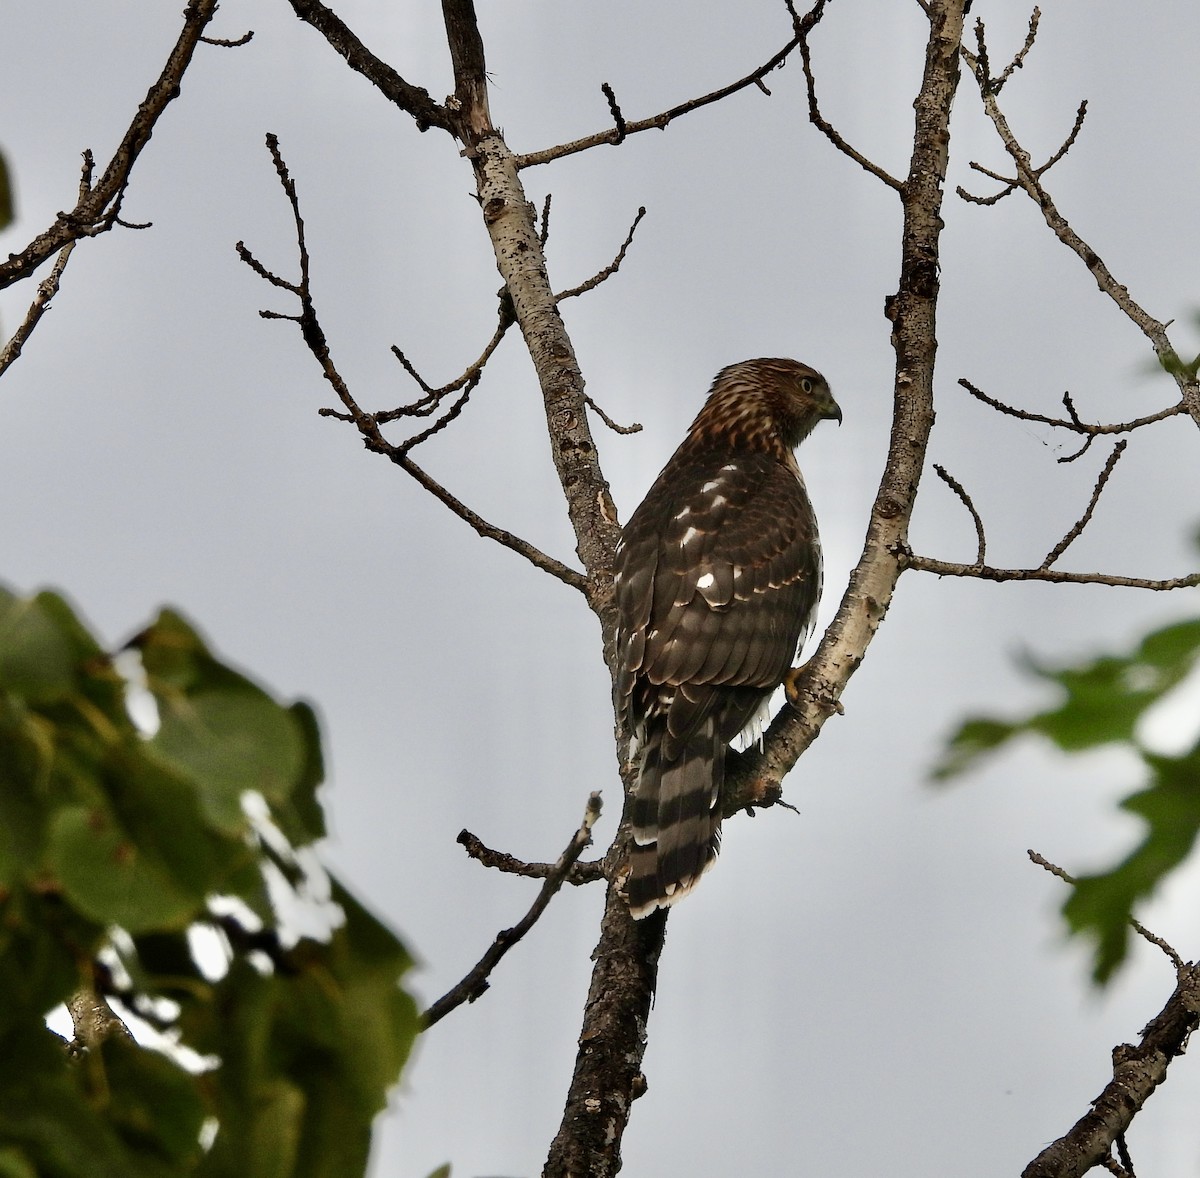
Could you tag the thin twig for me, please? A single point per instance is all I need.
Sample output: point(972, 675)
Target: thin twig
point(615, 111)
point(413, 99)
point(1073, 422)
point(1136, 1072)
point(46, 291)
point(617, 134)
point(804, 26)
point(945, 568)
point(1123, 1154)
point(1010, 185)
point(1084, 519)
point(960, 491)
point(1134, 923)
point(476, 982)
point(1018, 60)
point(609, 270)
point(470, 375)
point(633, 428)
point(580, 873)
point(225, 43)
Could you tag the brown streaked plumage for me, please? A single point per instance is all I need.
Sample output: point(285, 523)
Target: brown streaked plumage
point(717, 578)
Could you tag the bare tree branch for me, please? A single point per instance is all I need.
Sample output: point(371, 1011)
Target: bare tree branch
point(412, 99)
point(1018, 60)
point(580, 873)
point(623, 128)
point(965, 499)
point(46, 291)
point(1136, 1073)
point(1135, 924)
point(1082, 522)
point(476, 982)
point(804, 26)
point(94, 1020)
point(609, 270)
point(230, 43)
point(470, 376)
point(367, 425)
point(1029, 179)
point(615, 110)
point(98, 209)
point(1074, 424)
point(945, 568)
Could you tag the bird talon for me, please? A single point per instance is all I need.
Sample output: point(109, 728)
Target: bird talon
point(791, 684)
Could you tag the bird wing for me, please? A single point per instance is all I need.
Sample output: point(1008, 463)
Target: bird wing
point(717, 577)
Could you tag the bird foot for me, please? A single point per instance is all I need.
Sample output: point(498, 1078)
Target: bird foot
point(791, 684)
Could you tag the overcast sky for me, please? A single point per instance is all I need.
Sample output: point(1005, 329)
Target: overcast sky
point(878, 986)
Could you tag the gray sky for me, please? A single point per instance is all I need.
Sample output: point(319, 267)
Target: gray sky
point(875, 987)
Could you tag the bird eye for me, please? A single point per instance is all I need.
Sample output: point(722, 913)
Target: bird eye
point(806, 385)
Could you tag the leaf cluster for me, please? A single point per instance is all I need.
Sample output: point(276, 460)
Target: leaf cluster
point(1101, 703)
point(116, 847)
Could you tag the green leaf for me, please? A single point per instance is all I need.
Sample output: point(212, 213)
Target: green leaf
point(47, 1115)
point(104, 873)
point(975, 739)
point(14, 1164)
point(111, 841)
point(42, 645)
point(223, 732)
point(155, 1106)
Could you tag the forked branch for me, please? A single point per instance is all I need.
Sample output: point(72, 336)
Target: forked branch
point(98, 208)
point(1029, 178)
point(476, 982)
point(622, 128)
point(1137, 1070)
point(367, 424)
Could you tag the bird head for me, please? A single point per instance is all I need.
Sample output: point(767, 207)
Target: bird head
point(769, 404)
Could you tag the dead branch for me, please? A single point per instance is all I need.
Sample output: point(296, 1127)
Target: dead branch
point(365, 423)
point(965, 499)
point(1010, 186)
point(580, 873)
point(1029, 178)
point(412, 99)
point(98, 208)
point(46, 291)
point(1136, 1072)
point(1073, 422)
point(94, 1021)
point(945, 568)
point(609, 270)
point(1135, 924)
point(227, 43)
point(623, 128)
point(470, 376)
point(476, 982)
point(1018, 60)
point(613, 109)
point(1084, 519)
point(804, 26)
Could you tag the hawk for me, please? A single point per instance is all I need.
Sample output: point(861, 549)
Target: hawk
point(717, 576)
